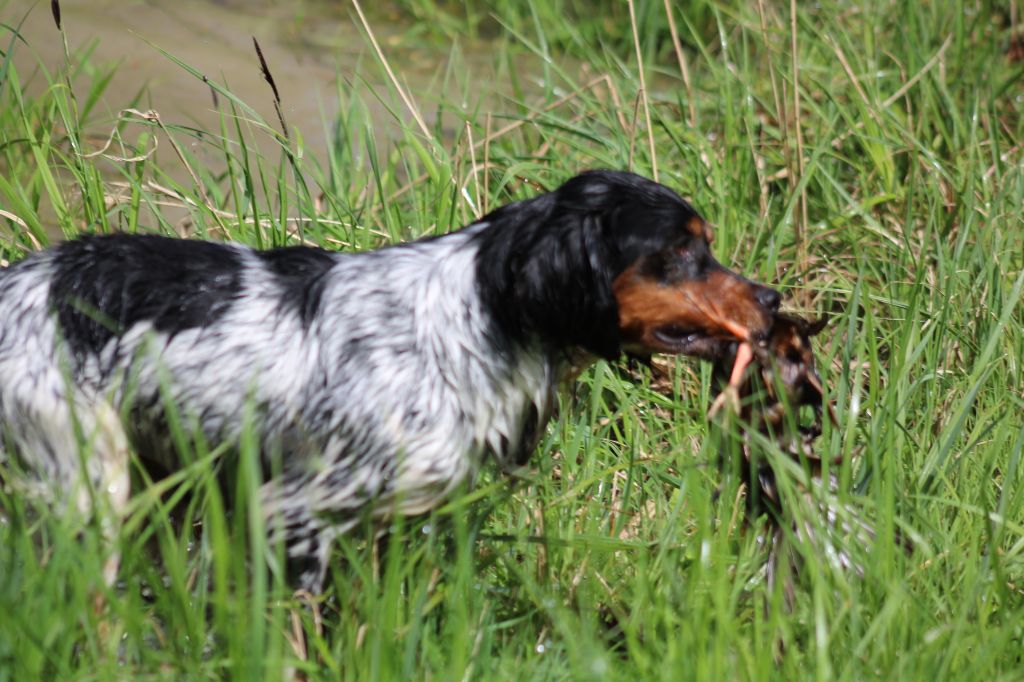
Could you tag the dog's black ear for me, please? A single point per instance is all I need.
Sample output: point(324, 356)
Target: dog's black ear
point(545, 273)
point(813, 328)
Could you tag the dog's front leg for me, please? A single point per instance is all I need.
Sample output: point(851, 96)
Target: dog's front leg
point(305, 535)
point(111, 482)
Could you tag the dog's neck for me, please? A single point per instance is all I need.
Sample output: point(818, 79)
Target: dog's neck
point(473, 389)
point(508, 384)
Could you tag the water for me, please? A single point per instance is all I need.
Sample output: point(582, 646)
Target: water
point(308, 46)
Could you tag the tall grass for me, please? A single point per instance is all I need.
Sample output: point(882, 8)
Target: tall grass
point(621, 553)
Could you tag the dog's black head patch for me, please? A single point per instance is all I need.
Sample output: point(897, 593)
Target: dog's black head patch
point(549, 268)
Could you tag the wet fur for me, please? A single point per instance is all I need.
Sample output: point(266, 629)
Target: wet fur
point(375, 382)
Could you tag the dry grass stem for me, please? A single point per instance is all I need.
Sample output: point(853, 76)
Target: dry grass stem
point(604, 79)
point(632, 130)
point(485, 199)
point(405, 96)
point(799, 222)
point(150, 116)
point(643, 90)
point(684, 69)
point(267, 76)
point(476, 204)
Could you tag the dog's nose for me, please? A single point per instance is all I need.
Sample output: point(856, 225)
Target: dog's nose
point(768, 298)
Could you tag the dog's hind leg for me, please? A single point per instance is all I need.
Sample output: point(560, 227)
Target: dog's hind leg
point(75, 455)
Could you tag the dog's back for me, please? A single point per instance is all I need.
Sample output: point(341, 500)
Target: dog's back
point(105, 323)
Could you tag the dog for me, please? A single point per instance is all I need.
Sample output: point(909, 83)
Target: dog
point(375, 382)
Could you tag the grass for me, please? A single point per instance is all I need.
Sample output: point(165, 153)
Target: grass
point(874, 174)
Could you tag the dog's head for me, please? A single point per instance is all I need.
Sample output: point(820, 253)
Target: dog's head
point(612, 261)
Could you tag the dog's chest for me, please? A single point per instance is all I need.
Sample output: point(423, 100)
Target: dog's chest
point(425, 391)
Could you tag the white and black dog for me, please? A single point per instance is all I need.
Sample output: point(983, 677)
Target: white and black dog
point(375, 381)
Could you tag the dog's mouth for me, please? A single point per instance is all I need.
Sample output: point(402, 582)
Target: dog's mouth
point(689, 341)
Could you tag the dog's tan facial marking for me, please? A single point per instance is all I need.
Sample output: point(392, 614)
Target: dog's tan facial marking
point(701, 229)
point(676, 316)
point(696, 226)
